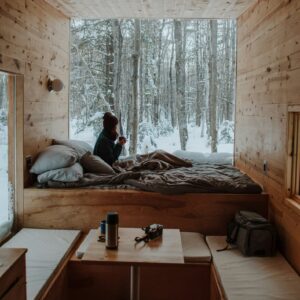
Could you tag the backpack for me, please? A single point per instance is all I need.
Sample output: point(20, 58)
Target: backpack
point(252, 234)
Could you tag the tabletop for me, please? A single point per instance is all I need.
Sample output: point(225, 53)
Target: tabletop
point(166, 249)
point(8, 257)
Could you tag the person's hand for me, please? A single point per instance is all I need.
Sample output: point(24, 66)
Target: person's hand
point(122, 140)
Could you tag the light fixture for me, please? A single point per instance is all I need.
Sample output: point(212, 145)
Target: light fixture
point(55, 85)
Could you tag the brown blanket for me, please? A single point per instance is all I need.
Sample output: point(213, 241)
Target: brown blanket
point(155, 161)
point(165, 173)
point(201, 178)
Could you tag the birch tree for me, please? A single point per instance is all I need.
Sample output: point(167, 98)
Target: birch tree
point(213, 85)
point(180, 83)
point(135, 82)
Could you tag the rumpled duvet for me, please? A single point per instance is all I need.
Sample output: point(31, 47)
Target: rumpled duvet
point(165, 173)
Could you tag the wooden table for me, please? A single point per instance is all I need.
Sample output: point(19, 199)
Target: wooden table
point(12, 274)
point(164, 250)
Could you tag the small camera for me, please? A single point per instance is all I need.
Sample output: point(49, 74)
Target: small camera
point(152, 232)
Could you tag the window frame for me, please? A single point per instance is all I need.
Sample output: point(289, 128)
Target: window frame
point(16, 142)
point(293, 159)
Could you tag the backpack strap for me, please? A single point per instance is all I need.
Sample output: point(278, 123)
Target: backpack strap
point(231, 237)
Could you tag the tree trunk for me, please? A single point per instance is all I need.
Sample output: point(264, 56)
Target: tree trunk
point(198, 78)
point(213, 85)
point(158, 78)
point(135, 89)
point(172, 96)
point(180, 84)
point(117, 67)
point(109, 71)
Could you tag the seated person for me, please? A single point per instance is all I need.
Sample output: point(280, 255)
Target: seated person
point(105, 146)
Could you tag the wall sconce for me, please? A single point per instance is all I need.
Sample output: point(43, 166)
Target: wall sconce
point(55, 85)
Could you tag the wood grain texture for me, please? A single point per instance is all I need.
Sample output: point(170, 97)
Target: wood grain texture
point(166, 249)
point(268, 72)
point(34, 42)
point(90, 9)
point(84, 208)
point(12, 271)
point(187, 281)
point(89, 281)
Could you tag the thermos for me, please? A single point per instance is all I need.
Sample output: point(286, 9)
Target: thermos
point(112, 230)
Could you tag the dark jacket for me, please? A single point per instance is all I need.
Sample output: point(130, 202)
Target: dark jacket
point(107, 149)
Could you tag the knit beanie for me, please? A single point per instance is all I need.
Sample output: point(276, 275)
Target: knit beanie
point(109, 121)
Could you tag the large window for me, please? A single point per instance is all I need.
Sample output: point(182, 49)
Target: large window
point(170, 82)
point(7, 151)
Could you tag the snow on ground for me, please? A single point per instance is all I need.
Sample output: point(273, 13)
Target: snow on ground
point(3, 184)
point(170, 142)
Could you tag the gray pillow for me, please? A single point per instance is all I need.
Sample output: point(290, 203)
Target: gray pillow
point(54, 157)
point(70, 174)
point(94, 164)
point(80, 147)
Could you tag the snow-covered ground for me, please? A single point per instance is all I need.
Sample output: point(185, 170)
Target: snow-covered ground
point(169, 142)
point(3, 184)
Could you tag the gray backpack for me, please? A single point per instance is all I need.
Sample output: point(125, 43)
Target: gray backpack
point(252, 234)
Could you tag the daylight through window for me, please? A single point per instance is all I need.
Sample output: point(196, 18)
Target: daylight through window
point(170, 82)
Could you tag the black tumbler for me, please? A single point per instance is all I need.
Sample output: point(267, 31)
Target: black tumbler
point(112, 230)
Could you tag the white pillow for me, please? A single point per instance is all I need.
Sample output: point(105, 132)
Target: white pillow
point(80, 147)
point(70, 174)
point(54, 157)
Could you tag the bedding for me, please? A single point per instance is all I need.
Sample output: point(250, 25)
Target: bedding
point(80, 147)
point(201, 178)
point(94, 164)
point(166, 173)
point(54, 157)
point(69, 174)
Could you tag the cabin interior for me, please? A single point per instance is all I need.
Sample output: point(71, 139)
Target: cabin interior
point(39, 256)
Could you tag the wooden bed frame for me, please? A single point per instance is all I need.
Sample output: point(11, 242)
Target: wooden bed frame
point(84, 208)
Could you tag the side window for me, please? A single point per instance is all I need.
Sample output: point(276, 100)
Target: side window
point(7, 152)
point(293, 164)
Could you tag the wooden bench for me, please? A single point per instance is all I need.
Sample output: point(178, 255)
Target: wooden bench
point(48, 250)
point(236, 277)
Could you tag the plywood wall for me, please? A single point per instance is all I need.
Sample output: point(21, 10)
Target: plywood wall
point(268, 80)
point(34, 41)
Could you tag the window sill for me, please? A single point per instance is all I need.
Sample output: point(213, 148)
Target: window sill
point(292, 204)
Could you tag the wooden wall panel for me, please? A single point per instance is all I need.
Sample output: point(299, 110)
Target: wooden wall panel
point(34, 42)
point(89, 9)
point(268, 72)
point(84, 208)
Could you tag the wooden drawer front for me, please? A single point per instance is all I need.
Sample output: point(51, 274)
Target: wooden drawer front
point(17, 291)
point(12, 276)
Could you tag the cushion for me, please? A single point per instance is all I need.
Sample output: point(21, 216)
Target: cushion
point(69, 174)
point(94, 164)
point(46, 250)
point(54, 157)
point(80, 147)
point(253, 278)
point(195, 249)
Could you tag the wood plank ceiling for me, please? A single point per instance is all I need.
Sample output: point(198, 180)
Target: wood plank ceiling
point(98, 9)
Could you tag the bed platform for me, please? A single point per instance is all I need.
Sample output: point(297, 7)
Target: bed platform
point(83, 209)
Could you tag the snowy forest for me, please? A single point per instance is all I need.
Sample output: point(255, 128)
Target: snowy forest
point(170, 82)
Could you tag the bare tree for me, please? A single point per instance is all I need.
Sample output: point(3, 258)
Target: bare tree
point(213, 85)
point(117, 67)
point(180, 84)
point(135, 83)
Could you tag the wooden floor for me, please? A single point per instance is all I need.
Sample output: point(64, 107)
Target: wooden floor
point(84, 208)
